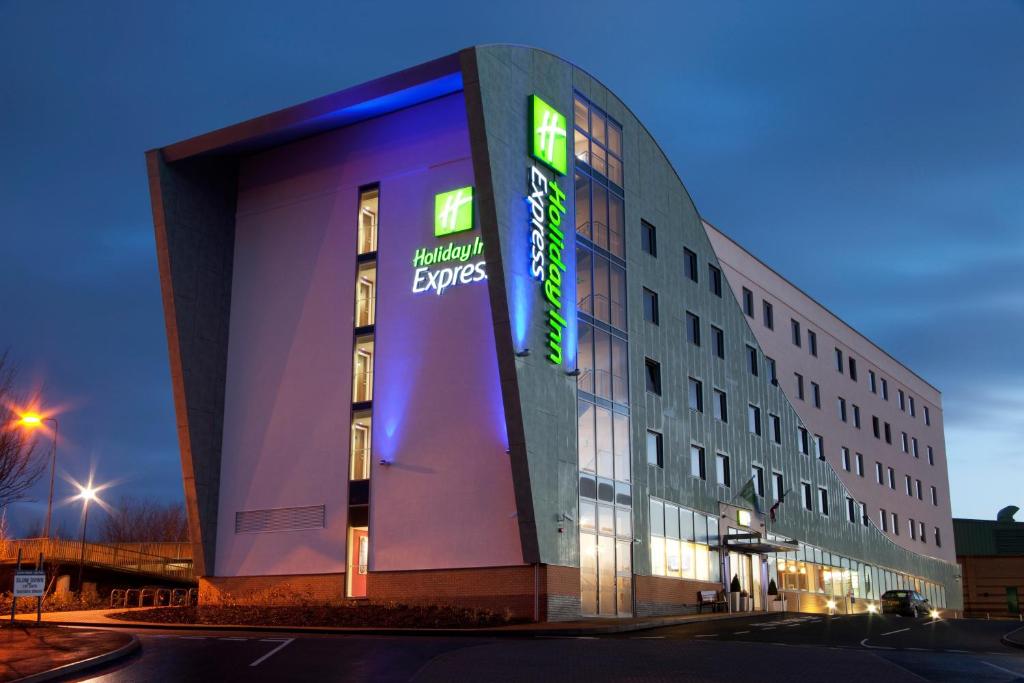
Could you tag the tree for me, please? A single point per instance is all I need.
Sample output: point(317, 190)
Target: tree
point(20, 463)
point(136, 520)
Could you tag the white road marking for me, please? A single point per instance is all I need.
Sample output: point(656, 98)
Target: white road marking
point(918, 649)
point(999, 668)
point(706, 635)
point(959, 651)
point(646, 637)
point(235, 639)
point(900, 630)
point(740, 633)
point(192, 637)
point(272, 652)
point(274, 640)
point(864, 643)
point(767, 628)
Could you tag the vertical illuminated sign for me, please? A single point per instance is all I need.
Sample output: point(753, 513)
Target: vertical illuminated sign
point(548, 144)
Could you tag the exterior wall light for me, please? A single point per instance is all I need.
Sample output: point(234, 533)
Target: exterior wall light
point(384, 462)
point(523, 353)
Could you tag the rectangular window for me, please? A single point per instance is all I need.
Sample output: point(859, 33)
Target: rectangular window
point(884, 519)
point(856, 416)
point(910, 401)
point(812, 342)
point(839, 360)
point(653, 375)
point(696, 395)
point(748, 302)
point(860, 464)
point(803, 441)
point(648, 238)
point(692, 329)
point(690, 264)
point(913, 447)
point(872, 382)
point(841, 404)
point(902, 400)
point(769, 315)
point(721, 406)
point(924, 536)
point(938, 538)
point(851, 510)
point(722, 470)
point(863, 514)
point(819, 447)
point(892, 478)
point(715, 280)
point(650, 306)
point(697, 462)
point(654, 452)
point(796, 332)
point(718, 341)
point(895, 524)
point(799, 385)
point(904, 442)
point(805, 488)
point(778, 486)
point(845, 453)
point(369, 209)
point(885, 389)
point(775, 424)
point(931, 456)
point(816, 395)
point(878, 472)
point(359, 461)
point(823, 500)
point(366, 294)
point(772, 377)
point(876, 427)
point(757, 472)
point(888, 433)
point(920, 492)
point(913, 529)
point(853, 368)
point(927, 416)
point(908, 482)
point(754, 419)
point(935, 496)
point(752, 360)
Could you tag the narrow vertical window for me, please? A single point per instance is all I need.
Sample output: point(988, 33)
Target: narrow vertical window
point(776, 427)
point(752, 360)
point(653, 375)
point(715, 280)
point(778, 486)
point(841, 404)
point(758, 475)
point(692, 329)
point(823, 500)
point(769, 315)
point(812, 342)
point(816, 394)
point(690, 264)
point(799, 385)
point(722, 473)
point(721, 406)
point(885, 389)
point(648, 238)
point(718, 341)
point(697, 468)
point(852, 362)
point(796, 332)
point(368, 213)
point(839, 360)
point(805, 488)
point(927, 416)
point(748, 302)
point(754, 419)
point(654, 451)
point(650, 306)
point(860, 464)
point(696, 395)
point(845, 452)
point(872, 382)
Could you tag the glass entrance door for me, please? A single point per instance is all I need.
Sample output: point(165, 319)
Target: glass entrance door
point(358, 557)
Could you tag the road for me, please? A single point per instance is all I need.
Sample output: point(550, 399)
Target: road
point(764, 648)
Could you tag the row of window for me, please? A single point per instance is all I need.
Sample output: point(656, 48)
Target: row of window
point(846, 366)
point(684, 543)
point(815, 570)
point(918, 531)
point(856, 463)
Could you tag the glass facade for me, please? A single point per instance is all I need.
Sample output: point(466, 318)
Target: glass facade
point(605, 505)
point(684, 543)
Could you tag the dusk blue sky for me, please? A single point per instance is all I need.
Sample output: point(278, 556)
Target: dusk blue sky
point(871, 152)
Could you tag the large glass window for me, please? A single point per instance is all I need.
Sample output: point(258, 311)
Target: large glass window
point(366, 294)
point(360, 447)
point(362, 370)
point(368, 213)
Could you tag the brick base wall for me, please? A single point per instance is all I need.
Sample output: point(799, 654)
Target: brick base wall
point(657, 595)
point(279, 590)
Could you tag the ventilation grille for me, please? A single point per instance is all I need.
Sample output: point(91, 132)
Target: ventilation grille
point(279, 519)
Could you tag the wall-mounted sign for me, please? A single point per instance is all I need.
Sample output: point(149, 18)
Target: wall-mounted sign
point(438, 268)
point(547, 208)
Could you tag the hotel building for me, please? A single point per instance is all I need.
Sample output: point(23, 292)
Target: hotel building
point(460, 335)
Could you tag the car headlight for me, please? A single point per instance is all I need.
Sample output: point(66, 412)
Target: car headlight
point(873, 609)
point(934, 614)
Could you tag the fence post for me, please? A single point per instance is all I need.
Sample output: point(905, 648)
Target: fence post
point(39, 598)
point(14, 600)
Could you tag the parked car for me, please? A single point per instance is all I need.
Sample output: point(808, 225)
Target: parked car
point(905, 602)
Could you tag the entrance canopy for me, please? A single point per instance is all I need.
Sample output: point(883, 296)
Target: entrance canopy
point(755, 544)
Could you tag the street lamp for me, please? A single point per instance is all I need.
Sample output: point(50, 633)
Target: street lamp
point(86, 494)
point(34, 421)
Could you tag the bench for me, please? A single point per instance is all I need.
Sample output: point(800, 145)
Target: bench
point(709, 598)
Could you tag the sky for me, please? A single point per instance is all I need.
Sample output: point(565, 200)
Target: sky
point(871, 152)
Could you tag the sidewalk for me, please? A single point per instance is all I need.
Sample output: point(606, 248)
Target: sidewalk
point(585, 627)
point(40, 653)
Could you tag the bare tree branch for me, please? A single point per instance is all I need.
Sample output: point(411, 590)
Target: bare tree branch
point(140, 520)
point(20, 464)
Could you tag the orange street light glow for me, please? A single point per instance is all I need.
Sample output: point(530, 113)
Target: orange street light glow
point(31, 419)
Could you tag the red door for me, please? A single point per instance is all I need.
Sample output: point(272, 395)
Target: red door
point(358, 551)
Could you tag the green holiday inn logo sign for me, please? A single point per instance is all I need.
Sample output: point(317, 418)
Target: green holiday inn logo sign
point(453, 211)
point(438, 268)
point(548, 141)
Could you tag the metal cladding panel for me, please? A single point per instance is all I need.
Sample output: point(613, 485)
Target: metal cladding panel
point(540, 397)
point(506, 77)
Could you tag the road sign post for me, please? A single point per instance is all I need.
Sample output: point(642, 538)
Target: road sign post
point(29, 583)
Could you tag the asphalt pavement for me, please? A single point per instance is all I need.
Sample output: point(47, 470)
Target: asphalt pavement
point(763, 648)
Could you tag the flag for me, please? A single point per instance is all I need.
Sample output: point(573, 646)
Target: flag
point(772, 510)
point(749, 494)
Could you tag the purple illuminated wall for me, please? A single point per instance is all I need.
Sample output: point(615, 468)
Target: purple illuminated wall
point(445, 499)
